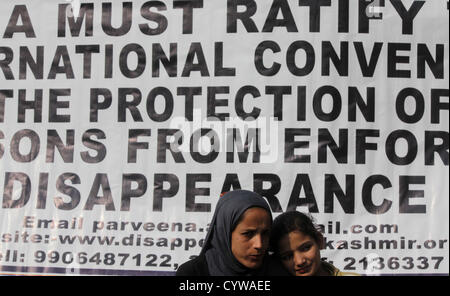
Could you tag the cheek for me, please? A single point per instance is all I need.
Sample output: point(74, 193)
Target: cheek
point(315, 258)
point(318, 254)
point(238, 245)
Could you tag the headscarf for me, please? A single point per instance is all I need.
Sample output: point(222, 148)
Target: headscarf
point(217, 247)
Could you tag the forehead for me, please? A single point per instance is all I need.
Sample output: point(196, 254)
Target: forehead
point(293, 240)
point(255, 218)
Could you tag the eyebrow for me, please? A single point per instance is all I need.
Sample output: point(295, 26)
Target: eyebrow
point(248, 229)
point(256, 229)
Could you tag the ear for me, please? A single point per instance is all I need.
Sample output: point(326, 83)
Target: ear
point(320, 240)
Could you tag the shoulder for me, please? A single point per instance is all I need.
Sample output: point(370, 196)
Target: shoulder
point(194, 267)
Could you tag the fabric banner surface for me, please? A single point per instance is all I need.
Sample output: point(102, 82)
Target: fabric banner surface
point(122, 122)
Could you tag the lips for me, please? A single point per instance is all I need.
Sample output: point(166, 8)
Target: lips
point(303, 269)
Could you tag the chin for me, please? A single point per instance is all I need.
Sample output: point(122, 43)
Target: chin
point(253, 264)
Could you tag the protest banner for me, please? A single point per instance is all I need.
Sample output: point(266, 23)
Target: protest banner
point(122, 122)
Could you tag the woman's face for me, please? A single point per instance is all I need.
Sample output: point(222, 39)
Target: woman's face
point(250, 238)
point(300, 254)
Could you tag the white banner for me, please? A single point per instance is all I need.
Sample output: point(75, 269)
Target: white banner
point(122, 122)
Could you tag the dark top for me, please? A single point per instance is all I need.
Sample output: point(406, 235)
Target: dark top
point(195, 267)
point(199, 267)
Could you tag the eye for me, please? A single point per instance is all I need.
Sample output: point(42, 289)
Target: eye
point(306, 247)
point(286, 256)
point(248, 233)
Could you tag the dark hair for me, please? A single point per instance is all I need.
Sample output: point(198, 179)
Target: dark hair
point(292, 221)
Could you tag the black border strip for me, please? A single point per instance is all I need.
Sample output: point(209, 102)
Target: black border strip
point(125, 272)
point(82, 271)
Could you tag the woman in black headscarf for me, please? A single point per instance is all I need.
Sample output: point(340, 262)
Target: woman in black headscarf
point(237, 241)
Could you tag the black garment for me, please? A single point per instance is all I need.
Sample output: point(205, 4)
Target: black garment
point(199, 267)
point(195, 267)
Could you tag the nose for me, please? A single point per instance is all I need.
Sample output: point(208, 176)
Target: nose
point(299, 259)
point(258, 242)
point(261, 242)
